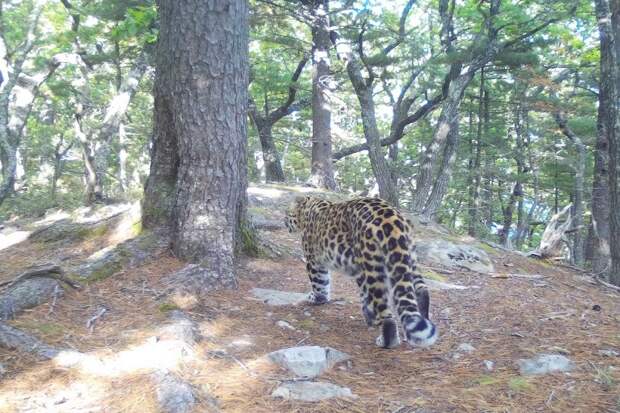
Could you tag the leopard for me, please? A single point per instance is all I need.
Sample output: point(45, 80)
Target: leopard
point(371, 241)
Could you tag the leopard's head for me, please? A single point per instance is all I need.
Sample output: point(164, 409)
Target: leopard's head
point(292, 220)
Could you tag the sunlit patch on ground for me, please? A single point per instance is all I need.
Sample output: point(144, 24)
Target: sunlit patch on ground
point(10, 237)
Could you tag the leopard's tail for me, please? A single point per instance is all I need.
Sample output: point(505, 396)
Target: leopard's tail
point(412, 301)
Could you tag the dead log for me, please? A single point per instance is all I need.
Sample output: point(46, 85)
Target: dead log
point(15, 339)
point(31, 288)
point(554, 234)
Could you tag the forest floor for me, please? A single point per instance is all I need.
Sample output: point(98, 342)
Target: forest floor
point(504, 319)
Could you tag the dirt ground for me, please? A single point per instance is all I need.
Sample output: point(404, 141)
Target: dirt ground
point(505, 319)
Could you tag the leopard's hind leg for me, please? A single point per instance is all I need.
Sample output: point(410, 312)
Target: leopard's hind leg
point(376, 306)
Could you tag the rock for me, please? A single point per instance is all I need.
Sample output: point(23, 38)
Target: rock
point(13, 338)
point(283, 324)
point(181, 328)
point(277, 298)
point(465, 348)
point(307, 361)
point(2, 371)
point(310, 391)
point(608, 352)
point(26, 294)
point(125, 255)
point(448, 254)
point(173, 394)
point(545, 363)
point(488, 365)
point(446, 312)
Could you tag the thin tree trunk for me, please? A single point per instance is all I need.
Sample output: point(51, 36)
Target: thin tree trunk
point(474, 172)
point(578, 187)
point(440, 186)
point(449, 112)
point(380, 168)
point(114, 114)
point(201, 111)
point(264, 126)
point(322, 170)
point(122, 158)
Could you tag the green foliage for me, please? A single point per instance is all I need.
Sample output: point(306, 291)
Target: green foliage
point(113, 34)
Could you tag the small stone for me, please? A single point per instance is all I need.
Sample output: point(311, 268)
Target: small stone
point(307, 361)
point(307, 314)
point(309, 391)
point(608, 352)
point(173, 394)
point(446, 312)
point(466, 348)
point(283, 324)
point(596, 307)
point(323, 328)
point(278, 298)
point(488, 365)
point(545, 363)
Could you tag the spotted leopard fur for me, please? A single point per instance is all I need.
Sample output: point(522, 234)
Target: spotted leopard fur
point(371, 241)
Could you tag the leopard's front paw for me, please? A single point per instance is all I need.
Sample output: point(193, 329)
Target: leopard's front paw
point(315, 298)
point(370, 317)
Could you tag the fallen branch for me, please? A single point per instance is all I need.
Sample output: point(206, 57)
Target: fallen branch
point(526, 276)
point(557, 315)
point(436, 269)
point(606, 284)
point(90, 324)
point(46, 271)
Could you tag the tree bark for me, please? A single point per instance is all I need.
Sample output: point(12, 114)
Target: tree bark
point(599, 224)
point(322, 169)
point(200, 132)
point(608, 16)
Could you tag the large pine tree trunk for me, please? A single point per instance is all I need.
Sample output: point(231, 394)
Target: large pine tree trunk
point(201, 110)
point(322, 170)
point(608, 14)
point(599, 225)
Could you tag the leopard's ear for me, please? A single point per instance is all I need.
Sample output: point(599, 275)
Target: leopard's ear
point(301, 199)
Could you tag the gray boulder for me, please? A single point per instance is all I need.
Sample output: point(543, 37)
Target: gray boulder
point(309, 391)
point(544, 364)
point(307, 361)
point(449, 254)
